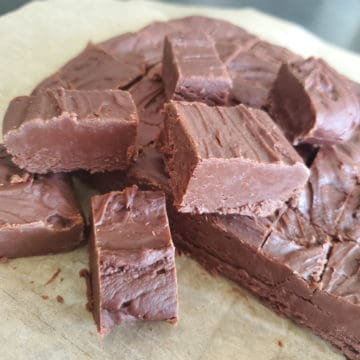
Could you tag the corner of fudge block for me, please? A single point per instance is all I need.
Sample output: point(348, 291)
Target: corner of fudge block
point(132, 259)
point(65, 130)
point(192, 69)
point(230, 160)
point(313, 103)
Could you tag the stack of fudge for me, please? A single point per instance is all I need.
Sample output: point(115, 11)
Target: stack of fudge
point(247, 152)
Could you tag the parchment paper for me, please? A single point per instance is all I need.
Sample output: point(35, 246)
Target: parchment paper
point(217, 319)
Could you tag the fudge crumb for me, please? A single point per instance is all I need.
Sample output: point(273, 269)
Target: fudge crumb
point(14, 267)
point(59, 299)
point(61, 279)
point(85, 273)
point(239, 292)
point(4, 260)
point(280, 343)
point(32, 281)
point(45, 297)
point(54, 276)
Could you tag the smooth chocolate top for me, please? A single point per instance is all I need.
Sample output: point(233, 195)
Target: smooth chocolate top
point(313, 103)
point(55, 104)
point(131, 219)
point(94, 69)
point(148, 43)
point(192, 69)
point(234, 132)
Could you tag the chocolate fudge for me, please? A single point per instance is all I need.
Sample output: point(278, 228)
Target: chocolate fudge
point(333, 192)
point(65, 130)
point(38, 214)
point(253, 67)
point(132, 259)
point(294, 268)
point(192, 69)
point(313, 103)
point(236, 154)
point(94, 69)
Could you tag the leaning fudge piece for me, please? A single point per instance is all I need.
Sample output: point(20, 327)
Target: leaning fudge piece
point(193, 71)
point(313, 103)
point(236, 154)
point(292, 265)
point(62, 130)
point(38, 215)
point(132, 259)
point(94, 69)
point(333, 191)
point(253, 68)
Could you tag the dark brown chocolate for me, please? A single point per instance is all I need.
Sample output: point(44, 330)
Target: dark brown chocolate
point(38, 215)
point(313, 103)
point(192, 69)
point(61, 130)
point(236, 154)
point(94, 69)
point(132, 259)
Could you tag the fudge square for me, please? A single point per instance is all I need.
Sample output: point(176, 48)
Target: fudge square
point(132, 259)
point(313, 103)
point(65, 130)
point(38, 214)
point(229, 160)
point(193, 71)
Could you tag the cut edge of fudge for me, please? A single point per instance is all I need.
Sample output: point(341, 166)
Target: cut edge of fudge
point(132, 259)
point(192, 69)
point(36, 128)
point(313, 103)
point(196, 147)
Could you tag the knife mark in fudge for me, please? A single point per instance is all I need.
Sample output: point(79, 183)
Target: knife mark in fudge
point(193, 71)
point(132, 259)
point(94, 69)
point(253, 69)
point(62, 130)
point(38, 215)
point(312, 103)
point(236, 154)
point(333, 193)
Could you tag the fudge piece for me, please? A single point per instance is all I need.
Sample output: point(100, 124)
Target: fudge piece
point(192, 69)
point(312, 103)
point(38, 214)
point(132, 259)
point(63, 130)
point(253, 67)
point(290, 264)
point(333, 192)
point(236, 154)
point(94, 69)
